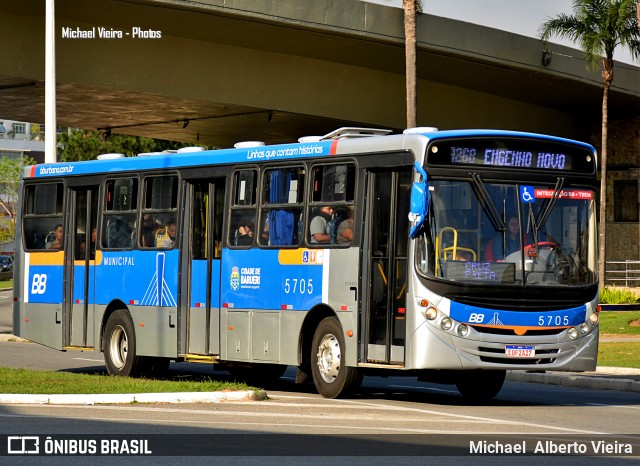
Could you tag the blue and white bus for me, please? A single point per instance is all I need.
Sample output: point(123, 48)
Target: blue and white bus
point(450, 256)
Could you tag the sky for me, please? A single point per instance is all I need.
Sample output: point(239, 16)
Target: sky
point(519, 16)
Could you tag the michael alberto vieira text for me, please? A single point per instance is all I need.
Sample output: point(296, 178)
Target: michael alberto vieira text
point(551, 447)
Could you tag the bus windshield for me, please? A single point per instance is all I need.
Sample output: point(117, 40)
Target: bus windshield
point(509, 234)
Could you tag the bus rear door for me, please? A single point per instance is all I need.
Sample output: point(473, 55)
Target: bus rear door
point(80, 267)
point(201, 273)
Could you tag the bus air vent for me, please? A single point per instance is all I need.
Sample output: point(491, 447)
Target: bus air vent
point(310, 139)
point(110, 156)
point(348, 132)
point(420, 130)
point(246, 144)
point(184, 150)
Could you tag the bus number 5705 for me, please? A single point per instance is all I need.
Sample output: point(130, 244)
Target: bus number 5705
point(298, 285)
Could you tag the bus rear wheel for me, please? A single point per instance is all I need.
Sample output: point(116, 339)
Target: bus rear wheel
point(120, 346)
point(331, 375)
point(480, 386)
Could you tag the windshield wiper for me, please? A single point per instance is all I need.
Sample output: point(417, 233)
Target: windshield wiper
point(548, 207)
point(538, 223)
point(485, 199)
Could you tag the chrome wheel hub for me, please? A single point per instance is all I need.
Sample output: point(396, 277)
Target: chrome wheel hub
point(329, 357)
point(118, 347)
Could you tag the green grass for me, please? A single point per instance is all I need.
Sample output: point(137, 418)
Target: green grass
point(625, 354)
point(42, 382)
point(6, 283)
point(618, 323)
point(619, 354)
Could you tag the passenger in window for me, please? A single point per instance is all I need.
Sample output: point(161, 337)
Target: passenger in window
point(345, 229)
point(166, 236)
point(245, 235)
point(149, 228)
point(56, 241)
point(94, 235)
point(320, 230)
point(82, 249)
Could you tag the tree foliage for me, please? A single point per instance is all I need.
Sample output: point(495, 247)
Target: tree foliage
point(599, 26)
point(80, 144)
point(10, 171)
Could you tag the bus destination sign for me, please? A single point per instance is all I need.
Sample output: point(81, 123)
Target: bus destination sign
point(512, 154)
point(511, 158)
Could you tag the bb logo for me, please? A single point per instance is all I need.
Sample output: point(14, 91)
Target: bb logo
point(39, 283)
point(476, 318)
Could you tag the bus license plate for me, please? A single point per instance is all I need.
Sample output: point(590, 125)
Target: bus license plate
point(516, 351)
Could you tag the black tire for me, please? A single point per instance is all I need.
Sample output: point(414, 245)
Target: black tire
point(480, 386)
point(120, 346)
point(332, 378)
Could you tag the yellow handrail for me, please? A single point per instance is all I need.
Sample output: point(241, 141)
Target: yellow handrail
point(450, 249)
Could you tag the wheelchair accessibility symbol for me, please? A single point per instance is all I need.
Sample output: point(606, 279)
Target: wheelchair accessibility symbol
point(527, 194)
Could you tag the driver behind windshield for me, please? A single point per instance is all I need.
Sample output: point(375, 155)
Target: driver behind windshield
point(511, 240)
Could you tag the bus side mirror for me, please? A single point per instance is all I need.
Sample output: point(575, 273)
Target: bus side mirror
point(419, 202)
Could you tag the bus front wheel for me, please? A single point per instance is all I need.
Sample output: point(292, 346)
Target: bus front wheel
point(331, 376)
point(480, 386)
point(120, 346)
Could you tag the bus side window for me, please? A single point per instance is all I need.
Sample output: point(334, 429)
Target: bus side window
point(332, 204)
point(42, 212)
point(119, 216)
point(243, 210)
point(281, 206)
point(159, 212)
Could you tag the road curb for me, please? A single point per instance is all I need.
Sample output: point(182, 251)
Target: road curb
point(576, 381)
point(126, 398)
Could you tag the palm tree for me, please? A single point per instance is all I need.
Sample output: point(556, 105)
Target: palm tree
point(599, 26)
point(411, 8)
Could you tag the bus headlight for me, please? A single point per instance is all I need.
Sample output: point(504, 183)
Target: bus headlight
point(463, 330)
point(431, 313)
point(584, 328)
point(593, 318)
point(446, 323)
point(573, 333)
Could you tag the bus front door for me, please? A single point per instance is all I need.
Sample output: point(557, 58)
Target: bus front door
point(201, 273)
point(80, 251)
point(385, 260)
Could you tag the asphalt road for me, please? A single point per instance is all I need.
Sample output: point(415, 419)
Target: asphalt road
point(549, 408)
point(393, 415)
point(297, 426)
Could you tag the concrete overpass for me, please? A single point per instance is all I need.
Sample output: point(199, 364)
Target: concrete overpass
point(229, 70)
